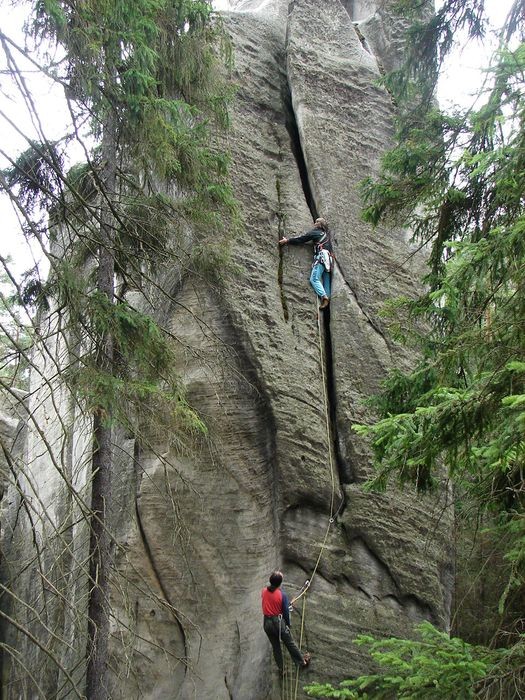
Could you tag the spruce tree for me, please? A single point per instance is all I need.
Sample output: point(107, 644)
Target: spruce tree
point(144, 75)
point(15, 334)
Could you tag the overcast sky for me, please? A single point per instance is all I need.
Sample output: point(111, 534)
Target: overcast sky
point(459, 82)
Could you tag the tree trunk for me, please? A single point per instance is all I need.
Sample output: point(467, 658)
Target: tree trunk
point(100, 550)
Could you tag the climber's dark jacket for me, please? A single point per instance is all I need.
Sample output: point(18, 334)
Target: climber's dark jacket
point(318, 236)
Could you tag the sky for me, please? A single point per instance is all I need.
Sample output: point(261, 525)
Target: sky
point(458, 84)
point(462, 76)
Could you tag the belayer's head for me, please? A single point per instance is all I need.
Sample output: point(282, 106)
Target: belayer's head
point(321, 223)
point(276, 578)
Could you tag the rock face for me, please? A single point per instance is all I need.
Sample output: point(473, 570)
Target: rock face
point(277, 481)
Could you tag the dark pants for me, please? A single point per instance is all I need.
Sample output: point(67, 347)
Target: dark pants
point(277, 631)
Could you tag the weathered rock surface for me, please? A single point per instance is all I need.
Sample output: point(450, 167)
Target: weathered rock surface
point(198, 529)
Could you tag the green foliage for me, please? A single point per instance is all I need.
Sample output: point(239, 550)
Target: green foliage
point(142, 384)
point(433, 666)
point(477, 430)
point(147, 78)
point(133, 402)
point(153, 65)
point(35, 180)
point(15, 336)
point(150, 73)
point(434, 31)
point(458, 183)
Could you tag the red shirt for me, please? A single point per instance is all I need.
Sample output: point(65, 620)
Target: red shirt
point(272, 602)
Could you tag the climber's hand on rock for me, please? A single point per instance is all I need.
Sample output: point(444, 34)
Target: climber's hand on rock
point(283, 241)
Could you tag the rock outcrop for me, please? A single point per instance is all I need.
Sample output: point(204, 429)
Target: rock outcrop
point(278, 480)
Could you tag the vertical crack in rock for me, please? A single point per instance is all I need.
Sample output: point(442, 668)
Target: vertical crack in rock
point(250, 368)
point(156, 573)
point(363, 40)
point(297, 150)
point(355, 17)
point(281, 233)
point(343, 470)
point(151, 560)
point(371, 321)
point(291, 5)
point(234, 669)
point(230, 695)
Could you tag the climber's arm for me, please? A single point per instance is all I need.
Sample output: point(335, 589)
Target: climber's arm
point(314, 235)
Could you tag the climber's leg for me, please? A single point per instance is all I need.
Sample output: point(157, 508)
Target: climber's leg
point(290, 644)
point(271, 627)
point(316, 280)
point(327, 282)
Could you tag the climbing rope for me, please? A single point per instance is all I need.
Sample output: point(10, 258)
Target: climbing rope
point(306, 586)
point(327, 420)
point(287, 685)
point(300, 645)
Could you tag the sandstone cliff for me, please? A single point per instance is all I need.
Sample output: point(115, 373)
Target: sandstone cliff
point(275, 482)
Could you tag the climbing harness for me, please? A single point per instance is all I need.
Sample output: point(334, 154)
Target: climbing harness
point(323, 255)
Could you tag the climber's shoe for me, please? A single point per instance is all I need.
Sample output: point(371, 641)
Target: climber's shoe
point(324, 302)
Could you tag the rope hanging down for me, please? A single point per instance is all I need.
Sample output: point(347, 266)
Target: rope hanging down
point(306, 586)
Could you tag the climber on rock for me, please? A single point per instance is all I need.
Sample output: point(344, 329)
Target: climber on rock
point(323, 258)
point(275, 607)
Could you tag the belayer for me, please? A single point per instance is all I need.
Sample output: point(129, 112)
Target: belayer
point(275, 607)
point(323, 258)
